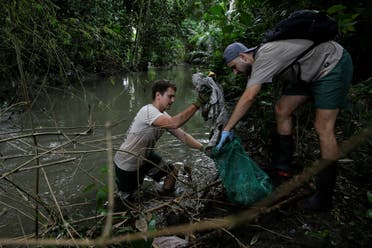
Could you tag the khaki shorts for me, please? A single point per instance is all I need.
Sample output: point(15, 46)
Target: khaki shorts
point(330, 91)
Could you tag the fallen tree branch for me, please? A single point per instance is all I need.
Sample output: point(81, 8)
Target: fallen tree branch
point(241, 244)
point(59, 128)
point(226, 222)
point(47, 164)
point(35, 158)
point(87, 132)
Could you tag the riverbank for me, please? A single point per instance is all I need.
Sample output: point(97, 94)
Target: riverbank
point(200, 198)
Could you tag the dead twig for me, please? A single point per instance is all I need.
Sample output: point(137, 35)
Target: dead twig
point(35, 198)
point(34, 158)
point(16, 209)
point(225, 222)
point(241, 244)
point(65, 223)
point(48, 164)
point(110, 174)
point(271, 231)
point(29, 135)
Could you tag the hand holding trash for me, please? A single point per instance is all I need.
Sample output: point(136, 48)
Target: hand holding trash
point(203, 95)
point(225, 137)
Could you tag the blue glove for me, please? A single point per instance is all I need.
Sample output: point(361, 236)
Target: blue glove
point(225, 136)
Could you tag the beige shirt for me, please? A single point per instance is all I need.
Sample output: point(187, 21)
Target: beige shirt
point(140, 140)
point(272, 57)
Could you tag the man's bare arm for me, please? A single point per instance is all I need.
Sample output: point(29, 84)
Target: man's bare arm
point(186, 138)
point(243, 105)
point(177, 120)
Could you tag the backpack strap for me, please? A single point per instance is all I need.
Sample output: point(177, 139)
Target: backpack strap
point(306, 51)
point(301, 55)
point(298, 57)
point(255, 50)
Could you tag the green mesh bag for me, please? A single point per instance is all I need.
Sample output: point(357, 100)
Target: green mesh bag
point(244, 181)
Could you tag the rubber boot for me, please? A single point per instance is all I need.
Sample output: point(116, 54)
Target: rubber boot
point(282, 151)
point(169, 183)
point(321, 200)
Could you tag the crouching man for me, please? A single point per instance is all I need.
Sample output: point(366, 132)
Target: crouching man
point(136, 157)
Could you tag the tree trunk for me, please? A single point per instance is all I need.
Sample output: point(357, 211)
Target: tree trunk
point(231, 9)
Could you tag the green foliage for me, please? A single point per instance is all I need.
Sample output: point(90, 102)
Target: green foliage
point(346, 21)
point(60, 37)
point(357, 113)
point(101, 198)
point(267, 15)
point(66, 37)
point(143, 224)
point(319, 234)
point(369, 211)
point(216, 29)
point(101, 191)
point(146, 243)
point(247, 22)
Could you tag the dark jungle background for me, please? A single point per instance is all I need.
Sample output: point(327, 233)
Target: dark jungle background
point(62, 43)
point(62, 40)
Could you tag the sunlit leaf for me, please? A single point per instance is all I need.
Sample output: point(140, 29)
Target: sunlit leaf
point(112, 80)
point(89, 187)
point(369, 213)
point(254, 239)
point(103, 169)
point(336, 8)
point(111, 32)
point(319, 234)
point(141, 224)
point(369, 196)
point(217, 10)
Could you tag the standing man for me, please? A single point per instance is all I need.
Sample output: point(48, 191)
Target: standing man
point(326, 73)
point(136, 156)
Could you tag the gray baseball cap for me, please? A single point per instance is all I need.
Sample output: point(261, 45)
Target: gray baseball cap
point(233, 50)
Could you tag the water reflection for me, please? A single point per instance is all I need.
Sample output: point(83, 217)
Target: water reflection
point(70, 112)
point(128, 86)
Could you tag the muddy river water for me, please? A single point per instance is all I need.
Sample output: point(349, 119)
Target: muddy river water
point(72, 141)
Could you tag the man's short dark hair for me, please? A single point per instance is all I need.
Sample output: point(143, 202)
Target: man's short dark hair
point(161, 86)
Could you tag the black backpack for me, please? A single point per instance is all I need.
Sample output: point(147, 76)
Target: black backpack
point(304, 24)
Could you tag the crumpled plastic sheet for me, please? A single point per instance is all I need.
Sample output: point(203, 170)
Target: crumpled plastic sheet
point(169, 242)
point(214, 111)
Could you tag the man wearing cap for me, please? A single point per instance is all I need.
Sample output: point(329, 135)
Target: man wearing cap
point(325, 72)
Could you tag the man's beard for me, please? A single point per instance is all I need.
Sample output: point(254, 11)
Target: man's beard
point(247, 69)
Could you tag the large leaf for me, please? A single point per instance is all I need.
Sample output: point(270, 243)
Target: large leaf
point(369, 197)
point(369, 213)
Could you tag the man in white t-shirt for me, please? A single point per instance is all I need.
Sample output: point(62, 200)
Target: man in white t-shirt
point(325, 72)
point(136, 156)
